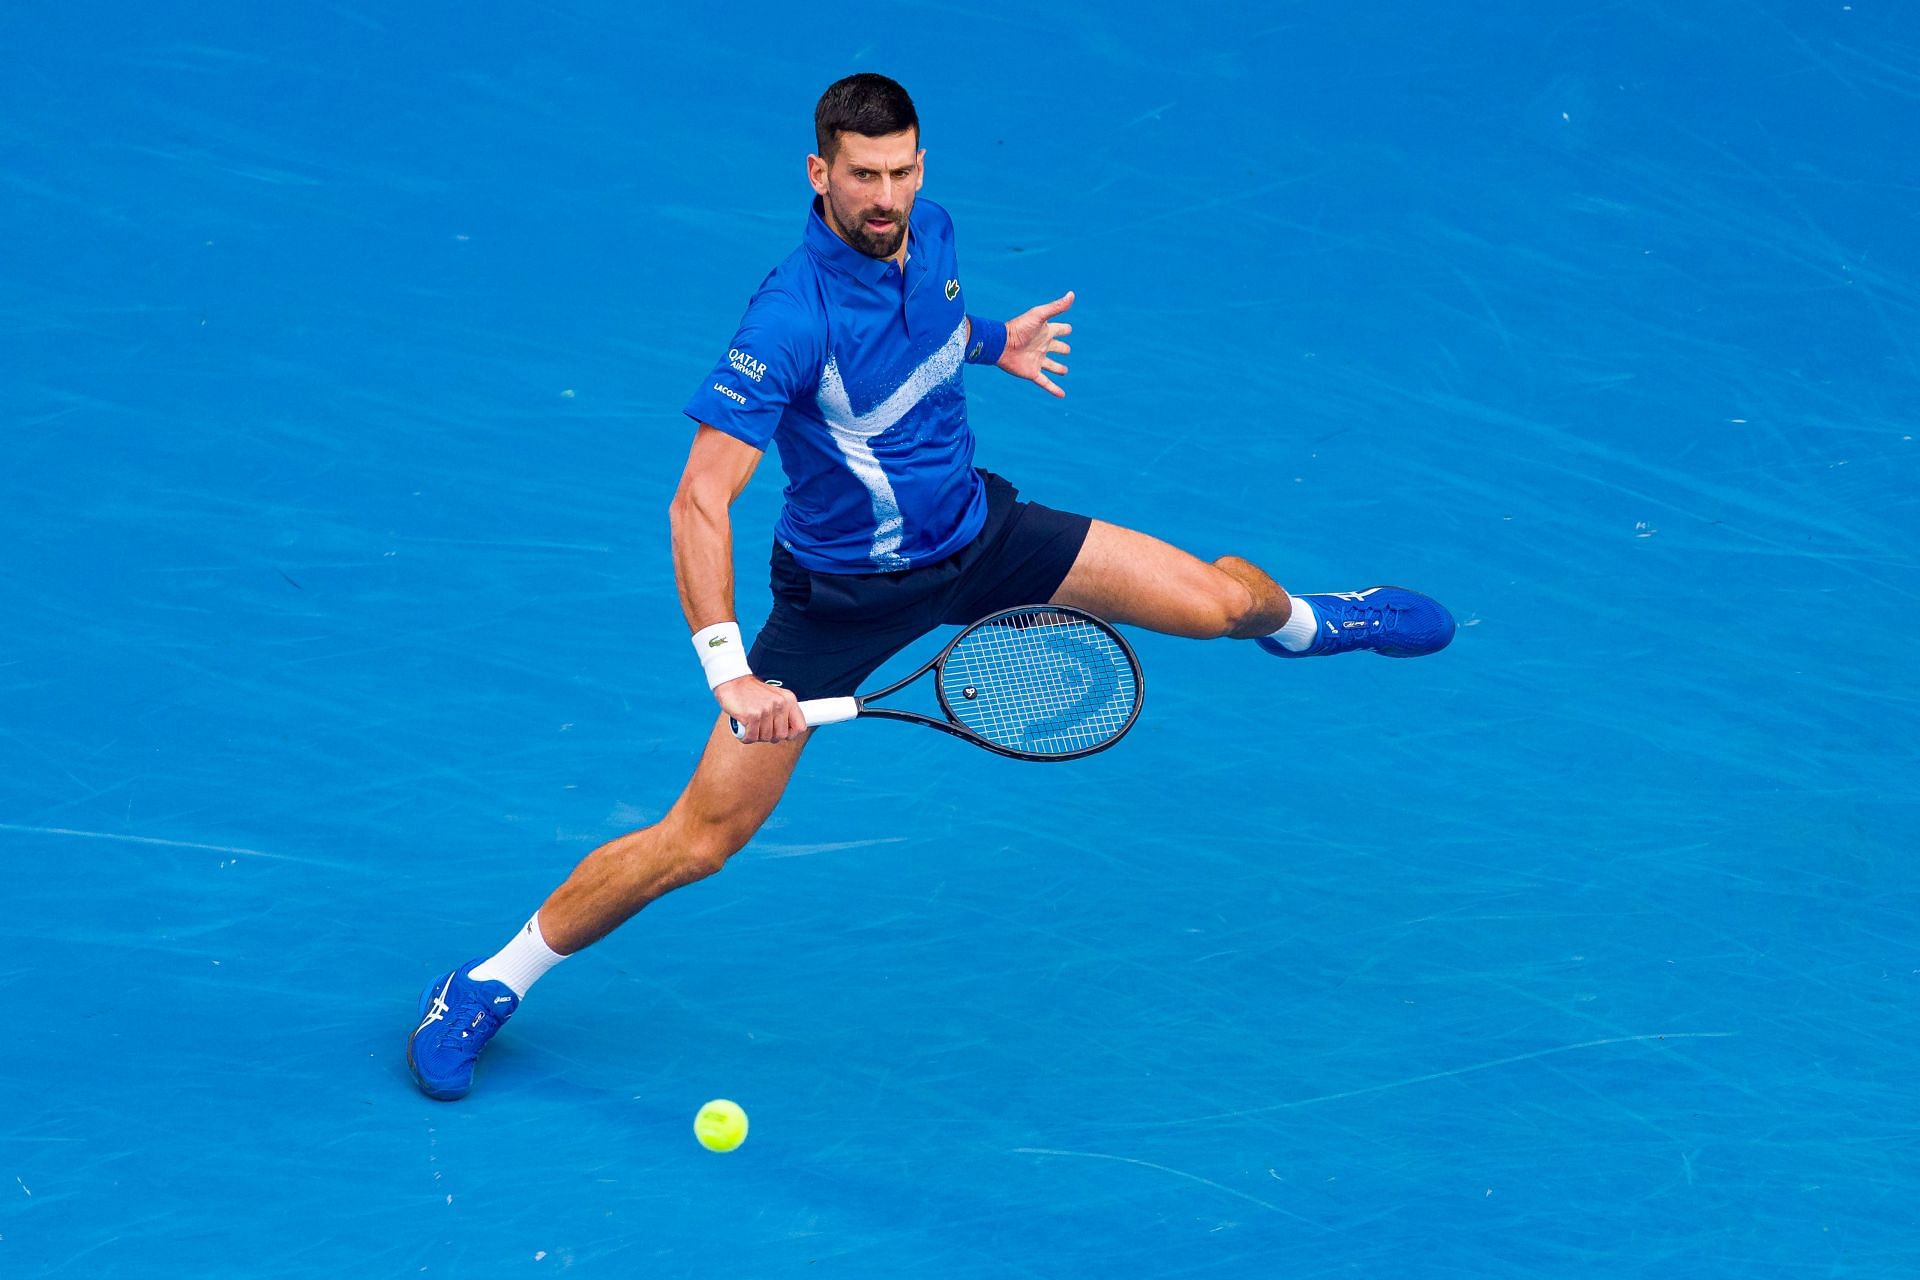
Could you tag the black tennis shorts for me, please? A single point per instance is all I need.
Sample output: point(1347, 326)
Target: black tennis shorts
point(829, 631)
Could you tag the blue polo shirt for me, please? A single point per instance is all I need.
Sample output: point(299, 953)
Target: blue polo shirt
point(852, 368)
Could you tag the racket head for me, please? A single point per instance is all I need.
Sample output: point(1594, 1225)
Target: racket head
point(1041, 682)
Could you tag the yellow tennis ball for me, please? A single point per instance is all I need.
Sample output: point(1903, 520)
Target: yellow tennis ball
point(721, 1125)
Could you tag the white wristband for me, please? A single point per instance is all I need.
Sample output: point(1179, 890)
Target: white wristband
point(721, 653)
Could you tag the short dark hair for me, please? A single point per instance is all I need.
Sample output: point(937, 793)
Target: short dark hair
point(867, 104)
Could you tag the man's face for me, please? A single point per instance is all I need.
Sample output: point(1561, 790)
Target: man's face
point(867, 189)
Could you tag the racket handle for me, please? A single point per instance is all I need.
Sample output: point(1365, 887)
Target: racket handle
point(817, 711)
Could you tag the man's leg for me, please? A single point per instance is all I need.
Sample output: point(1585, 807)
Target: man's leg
point(1124, 576)
point(734, 789)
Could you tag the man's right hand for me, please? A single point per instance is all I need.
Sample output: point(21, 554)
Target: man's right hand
point(766, 713)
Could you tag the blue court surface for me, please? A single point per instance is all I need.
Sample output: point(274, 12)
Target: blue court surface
point(345, 346)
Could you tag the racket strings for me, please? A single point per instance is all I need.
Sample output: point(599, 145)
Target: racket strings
point(1042, 682)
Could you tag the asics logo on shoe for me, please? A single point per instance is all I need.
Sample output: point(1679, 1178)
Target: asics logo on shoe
point(439, 1009)
point(1351, 625)
point(1355, 596)
point(501, 999)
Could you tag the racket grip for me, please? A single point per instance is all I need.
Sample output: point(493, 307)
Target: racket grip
point(820, 711)
point(817, 711)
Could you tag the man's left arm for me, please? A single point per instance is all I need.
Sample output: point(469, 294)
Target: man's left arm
point(1026, 344)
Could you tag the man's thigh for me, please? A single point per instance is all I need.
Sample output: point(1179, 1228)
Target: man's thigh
point(1126, 576)
point(737, 785)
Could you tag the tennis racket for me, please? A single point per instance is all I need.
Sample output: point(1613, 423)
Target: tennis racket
point(1040, 682)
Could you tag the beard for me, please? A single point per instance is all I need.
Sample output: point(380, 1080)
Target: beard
point(855, 228)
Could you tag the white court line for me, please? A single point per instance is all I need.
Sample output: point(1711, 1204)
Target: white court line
point(169, 844)
point(829, 846)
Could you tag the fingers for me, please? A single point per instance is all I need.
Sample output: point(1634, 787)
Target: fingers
point(781, 720)
point(792, 722)
point(777, 724)
point(1048, 310)
point(1058, 349)
point(769, 726)
point(1046, 384)
point(763, 713)
point(1053, 366)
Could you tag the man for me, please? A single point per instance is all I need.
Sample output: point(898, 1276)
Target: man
point(848, 360)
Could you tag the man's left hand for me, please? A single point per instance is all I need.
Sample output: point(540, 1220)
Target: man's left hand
point(1034, 339)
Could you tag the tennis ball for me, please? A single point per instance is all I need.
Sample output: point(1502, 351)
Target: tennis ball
point(721, 1125)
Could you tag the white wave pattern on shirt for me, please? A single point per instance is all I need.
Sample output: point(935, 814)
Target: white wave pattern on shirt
point(855, 433)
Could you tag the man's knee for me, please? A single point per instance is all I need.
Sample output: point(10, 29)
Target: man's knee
point(732, 794)
point(1249, 603)
point(703, 846)
point(1230, 607)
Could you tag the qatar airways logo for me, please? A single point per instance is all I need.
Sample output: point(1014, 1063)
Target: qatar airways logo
point(745, 365)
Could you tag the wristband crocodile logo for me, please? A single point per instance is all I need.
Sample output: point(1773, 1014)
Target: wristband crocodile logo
point(716, 642)
point(953, 290)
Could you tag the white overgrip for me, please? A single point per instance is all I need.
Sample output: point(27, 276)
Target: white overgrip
point(818, 711)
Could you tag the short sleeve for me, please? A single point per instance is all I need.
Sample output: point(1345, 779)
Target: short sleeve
point(774, 357)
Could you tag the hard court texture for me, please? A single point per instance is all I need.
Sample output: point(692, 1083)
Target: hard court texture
point(344, 351)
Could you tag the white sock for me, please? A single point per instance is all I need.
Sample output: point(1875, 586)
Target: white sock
point(1301, 624)
point(520, 963)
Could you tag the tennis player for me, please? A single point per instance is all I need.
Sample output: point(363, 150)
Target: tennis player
point(849, 361)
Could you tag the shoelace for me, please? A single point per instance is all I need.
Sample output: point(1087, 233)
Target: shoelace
point(1378, 617)
point(458, 1020)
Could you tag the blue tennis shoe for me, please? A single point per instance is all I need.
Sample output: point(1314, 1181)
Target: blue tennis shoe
point(1390, 621)
point(457, 1018)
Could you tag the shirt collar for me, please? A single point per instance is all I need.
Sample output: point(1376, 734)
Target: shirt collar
point(827, 245)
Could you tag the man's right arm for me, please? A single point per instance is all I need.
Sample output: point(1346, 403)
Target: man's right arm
point(718, 468)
